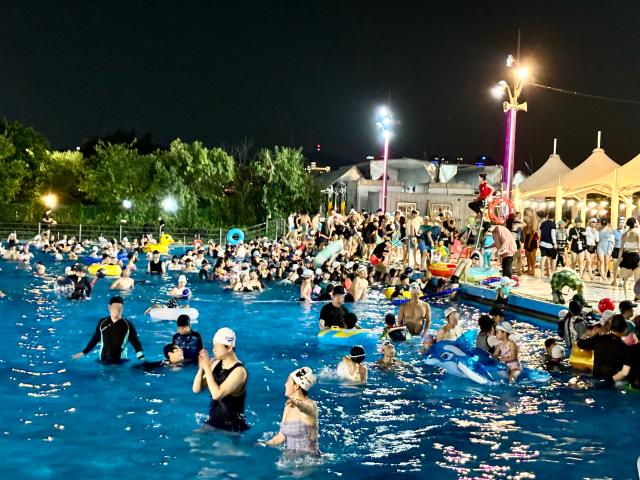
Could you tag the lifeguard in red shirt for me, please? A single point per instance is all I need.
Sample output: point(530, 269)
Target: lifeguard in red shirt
point(485, 190)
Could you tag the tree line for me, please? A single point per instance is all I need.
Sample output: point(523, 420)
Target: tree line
point(212, 186)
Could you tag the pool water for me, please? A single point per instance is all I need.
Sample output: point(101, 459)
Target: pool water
point(83, 419)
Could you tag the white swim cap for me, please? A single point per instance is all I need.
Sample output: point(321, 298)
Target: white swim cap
point(557, 352)
point(304, 378)
point(182, 279)
point(225, 336)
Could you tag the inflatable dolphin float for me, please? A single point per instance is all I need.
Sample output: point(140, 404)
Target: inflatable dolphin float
point(462, 359)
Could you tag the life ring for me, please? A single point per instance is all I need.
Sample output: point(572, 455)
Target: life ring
point(389, 291)
point(489, 280)
point(500, 209)
point(235, 236)
point(347, 337)
point(109, 270)
point(442, 269)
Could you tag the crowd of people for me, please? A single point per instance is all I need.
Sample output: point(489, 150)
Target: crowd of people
point(338, 259)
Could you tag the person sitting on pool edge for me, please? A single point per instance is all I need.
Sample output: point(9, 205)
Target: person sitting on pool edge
point(299, 425)
point(188, 340)
point(352, 367)
point(112, 333)
point(226, 379)
point(332, 314)
point(450, 330)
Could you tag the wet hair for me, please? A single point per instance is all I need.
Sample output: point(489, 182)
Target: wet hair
point(168, 348)
point(357, 354)
point(183, 320)
point(350, 320)
point(496, 311)
point(390, 319)
point(549, 342)
point(116, 299)
point(618, 323)
point(485, 322)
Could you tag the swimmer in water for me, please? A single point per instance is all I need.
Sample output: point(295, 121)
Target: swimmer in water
point(450, 330)
point(225, 377)
point(389, 359)
point(189, 341)
point(415, 314)
point(125, 282)
point(173, 357)
point(112, 333)
point(352, 367)
point(180, 290)
point(299, 425)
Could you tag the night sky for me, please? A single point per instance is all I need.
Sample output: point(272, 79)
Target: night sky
point(307, 72)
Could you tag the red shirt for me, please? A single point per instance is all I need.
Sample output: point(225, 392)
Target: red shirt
point(485, 190)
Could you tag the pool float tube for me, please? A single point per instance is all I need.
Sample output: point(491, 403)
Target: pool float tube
point(235, 236)
point(477, 274)
point(166, 313)
point(581, 359)
point(162, 247)
point(331, 250)
point(492, 281)
point(347, 337)
point(443, 293)
point(389, 291)
point(461, 359)
point(442, 269)
point(109, 270)
point(92, 260)
point(123, 256)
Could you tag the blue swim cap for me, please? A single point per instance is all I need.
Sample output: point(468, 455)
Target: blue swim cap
point(186, 293)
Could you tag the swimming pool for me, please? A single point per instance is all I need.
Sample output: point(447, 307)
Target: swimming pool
point(82, 419)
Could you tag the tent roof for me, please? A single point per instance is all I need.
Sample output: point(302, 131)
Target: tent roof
point(342, 174)
point(626, 176)
point(548, 172)
point(596, 166)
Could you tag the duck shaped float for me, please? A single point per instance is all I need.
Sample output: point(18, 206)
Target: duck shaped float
point(162, 246)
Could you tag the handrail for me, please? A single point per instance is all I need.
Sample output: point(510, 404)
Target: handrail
point(271, 229)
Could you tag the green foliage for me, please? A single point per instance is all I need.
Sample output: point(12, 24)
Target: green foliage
point(212, 188)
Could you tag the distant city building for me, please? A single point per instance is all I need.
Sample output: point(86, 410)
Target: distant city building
point(314, 169)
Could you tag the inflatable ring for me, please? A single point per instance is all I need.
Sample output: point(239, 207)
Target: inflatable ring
point(109, 270)
point(347, 337)
point(235, 236)
point(581, 359)
point(489, 280)
point(478, 274)
point(499, 209)
point(442, 269)
point(164, 313)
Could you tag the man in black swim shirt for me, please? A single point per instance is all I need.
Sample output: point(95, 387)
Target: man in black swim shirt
point(113, 333)
point(332, 314)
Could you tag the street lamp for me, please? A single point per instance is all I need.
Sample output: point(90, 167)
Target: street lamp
point(511, 108)
point(170, 205)
point(127, 204)
point(384, 122)
point(50, 200)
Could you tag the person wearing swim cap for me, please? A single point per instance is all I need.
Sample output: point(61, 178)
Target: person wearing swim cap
point(299, 426)
point(415, 314)
point(226, 379)
point(180, 290)
point(112, 333)
point(352, 367)
point(450, 330)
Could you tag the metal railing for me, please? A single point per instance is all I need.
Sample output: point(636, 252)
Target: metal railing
point(271, 229)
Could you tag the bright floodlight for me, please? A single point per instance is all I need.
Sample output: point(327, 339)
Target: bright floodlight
point(523, 73)
point(510, 61)
point(127, 204)
point(497, 91)
point(50, 200)
point(384, 111)
point(170, 205)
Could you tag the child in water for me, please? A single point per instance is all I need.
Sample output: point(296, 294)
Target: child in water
point(507, 350)
point(352, 367)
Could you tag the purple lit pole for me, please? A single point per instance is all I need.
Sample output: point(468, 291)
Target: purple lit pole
point(385, 122)
point(509, 151)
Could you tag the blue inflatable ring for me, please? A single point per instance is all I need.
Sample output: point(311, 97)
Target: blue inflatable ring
point(235, 236)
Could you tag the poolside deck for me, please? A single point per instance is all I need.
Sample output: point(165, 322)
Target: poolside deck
point(538, 288)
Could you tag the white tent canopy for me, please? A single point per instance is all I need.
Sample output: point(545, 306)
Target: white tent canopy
point(596, 166)
point(548, 172)
point(626, 178)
